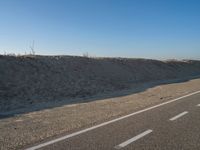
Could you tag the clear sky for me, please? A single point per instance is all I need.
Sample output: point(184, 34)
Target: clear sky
point(160, 29)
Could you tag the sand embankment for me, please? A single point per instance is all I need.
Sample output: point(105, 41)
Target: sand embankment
point(30, 80)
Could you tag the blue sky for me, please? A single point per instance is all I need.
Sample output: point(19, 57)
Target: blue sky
point(161, 29)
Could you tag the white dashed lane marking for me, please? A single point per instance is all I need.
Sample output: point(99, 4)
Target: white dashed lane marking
point(178, 116)
point(133, 139)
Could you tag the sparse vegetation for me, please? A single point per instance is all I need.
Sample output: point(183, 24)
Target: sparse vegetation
point(31, 53)
point(86, 55)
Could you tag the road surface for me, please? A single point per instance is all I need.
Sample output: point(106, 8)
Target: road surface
point(173, 125)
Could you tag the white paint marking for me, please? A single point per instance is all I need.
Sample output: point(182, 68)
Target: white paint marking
point(106, 123)
point(198, 105)
point(178, 116)
point(133, 139)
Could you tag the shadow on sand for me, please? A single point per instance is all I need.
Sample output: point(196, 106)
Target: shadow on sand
point(136, 89)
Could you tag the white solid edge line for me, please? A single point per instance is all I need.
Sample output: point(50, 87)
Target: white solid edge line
point(178, 116)
point(198, 105)
point(133, 139)
point(106, 123)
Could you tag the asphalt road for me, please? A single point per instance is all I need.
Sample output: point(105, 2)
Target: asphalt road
point(171, 126)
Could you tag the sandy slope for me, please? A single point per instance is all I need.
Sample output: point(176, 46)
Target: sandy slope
point(29, 80)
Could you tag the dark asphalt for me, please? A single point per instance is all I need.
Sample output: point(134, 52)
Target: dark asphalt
point(180, 134)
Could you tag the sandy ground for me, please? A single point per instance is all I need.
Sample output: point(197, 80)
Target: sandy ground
point(27, 129)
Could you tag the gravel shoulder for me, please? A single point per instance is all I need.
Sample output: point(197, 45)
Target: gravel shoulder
point(27, 129)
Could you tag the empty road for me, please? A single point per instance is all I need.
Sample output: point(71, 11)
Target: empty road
point(173, 125)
